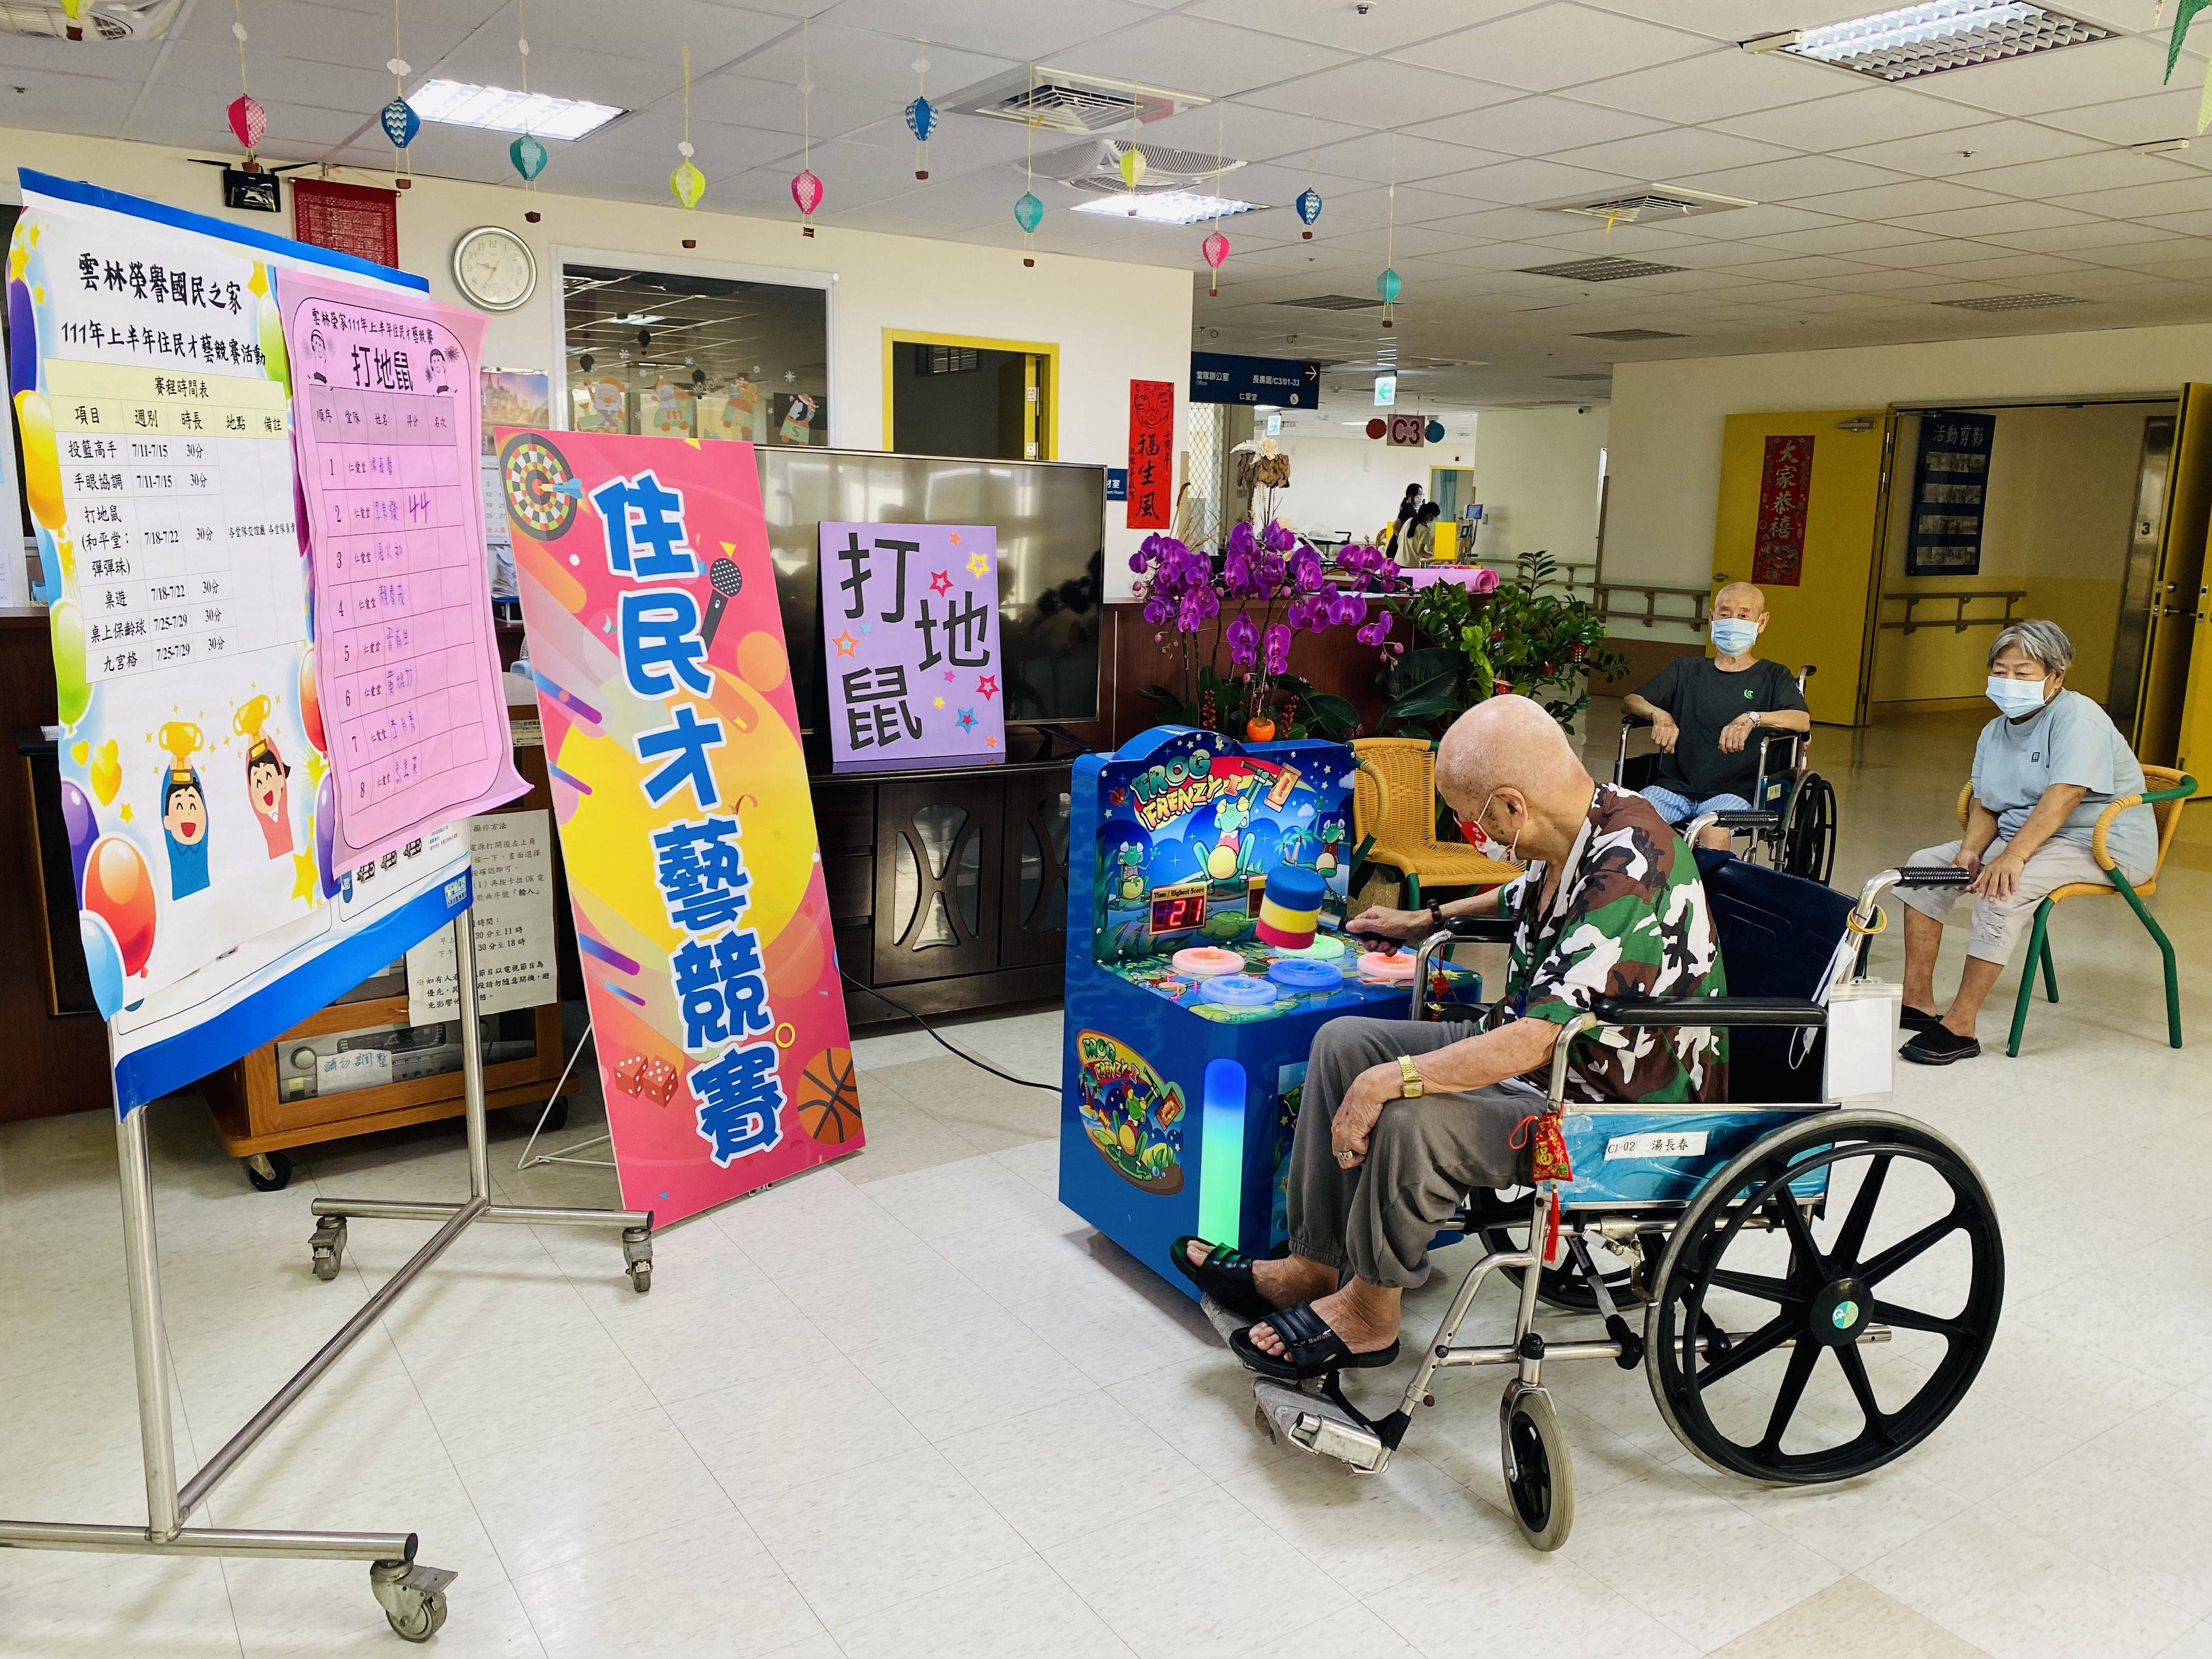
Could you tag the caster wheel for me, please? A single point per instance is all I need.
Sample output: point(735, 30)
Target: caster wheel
point(328, 1246)
point(640, 1277)
point(270, 1172)
point(1539, 1477)
point(421, 1620)
point(412, 1596)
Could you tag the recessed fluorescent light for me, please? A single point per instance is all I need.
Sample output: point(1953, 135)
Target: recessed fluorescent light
point(2160, 146)
point(1936, 36)
point(639, 318)
point(459, 103)
point(1165, 207)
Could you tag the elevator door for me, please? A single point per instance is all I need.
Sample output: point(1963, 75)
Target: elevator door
point(2140, 578)
point(2175, 613)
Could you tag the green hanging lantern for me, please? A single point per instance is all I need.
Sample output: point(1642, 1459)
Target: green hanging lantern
point(1029, 212)
point(528, 156)
point(1388, 285)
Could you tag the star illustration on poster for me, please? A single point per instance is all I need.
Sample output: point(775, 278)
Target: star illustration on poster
point(977, 564)
point(940, 583)
point(846, 644)
point(967, 719)
point(988, 686)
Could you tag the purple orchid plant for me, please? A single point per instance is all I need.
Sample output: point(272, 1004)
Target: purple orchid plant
point(1265, 587)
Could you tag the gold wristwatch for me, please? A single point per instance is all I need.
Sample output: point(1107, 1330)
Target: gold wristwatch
point(1413, 1086)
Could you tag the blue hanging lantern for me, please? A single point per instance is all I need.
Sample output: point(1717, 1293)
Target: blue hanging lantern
point(1029, 212)
point(400, 123)
point(1308, 207)
point(921, 121)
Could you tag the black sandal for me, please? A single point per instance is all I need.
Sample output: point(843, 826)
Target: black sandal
point(1315, 1349)
point(1226, 1275)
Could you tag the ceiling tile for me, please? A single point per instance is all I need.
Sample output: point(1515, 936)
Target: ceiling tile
point(1557, 45)
point(1768, 219)
point(67, 103)
point(1383, 156)
point(2146, 201)
point(1845, 239)
point(214, 70)
point(1536, 126)
point(1334, 23)
point(2071, 75)
point(1871, 116)
point(861, 64)
point(2071, 175)
point(1895, 201)
point(1381, 95)
point(1246, 131)
point(2083, 240)
point(660, 32)
point(1926, 254)
point(2139, 244)
point(2017, 267)
point(1964, 150)
point(1516, 183)
point(1998, 217)
point(777, 107)
point(1711, 86)
point(1672, 153)
point(603, 77)
point(1002, 28)
point(1196, 54)
point(327, 34)
point(2139, 120)
point(1788, 180)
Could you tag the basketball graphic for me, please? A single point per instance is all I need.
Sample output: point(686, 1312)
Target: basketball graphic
point(541, 490)
point(829, 1098)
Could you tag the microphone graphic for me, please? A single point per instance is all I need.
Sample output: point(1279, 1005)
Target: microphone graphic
point(728, 578)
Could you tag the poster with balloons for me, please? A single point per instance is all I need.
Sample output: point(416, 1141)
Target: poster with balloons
point(149, 383)
point(672, 748)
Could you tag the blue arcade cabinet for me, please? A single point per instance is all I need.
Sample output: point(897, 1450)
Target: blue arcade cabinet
point(1178, 1093)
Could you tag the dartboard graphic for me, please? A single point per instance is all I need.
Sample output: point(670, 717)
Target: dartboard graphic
point(532, 472)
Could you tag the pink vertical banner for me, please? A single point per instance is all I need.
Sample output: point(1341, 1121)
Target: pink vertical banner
point(384, 393)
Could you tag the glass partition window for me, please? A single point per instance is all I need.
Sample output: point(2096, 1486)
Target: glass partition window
point(664, 354)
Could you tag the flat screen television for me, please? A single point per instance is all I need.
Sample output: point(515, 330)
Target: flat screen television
point(1051, 520)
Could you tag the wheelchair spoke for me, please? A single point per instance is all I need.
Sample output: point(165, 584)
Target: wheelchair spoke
point(1758, 1284)
point(1855, 1372)
point(1852, 1238)
point(1908, 1249)
point(1911, 1319)
point(1806, 1260)
point(1802, 1359)
point(1764, 1340)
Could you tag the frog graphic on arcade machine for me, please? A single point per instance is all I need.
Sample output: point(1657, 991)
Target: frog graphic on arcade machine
point(1134, 1118)
point(1130, 878)
point(1331, 832)
point(1226, 856)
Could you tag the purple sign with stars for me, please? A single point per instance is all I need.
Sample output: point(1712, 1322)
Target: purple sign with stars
point(910, 637)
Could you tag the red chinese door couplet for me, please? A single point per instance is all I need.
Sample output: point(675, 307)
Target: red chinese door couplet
point(1152, 453)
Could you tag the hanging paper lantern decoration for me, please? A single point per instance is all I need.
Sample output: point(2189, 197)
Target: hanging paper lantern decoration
point(806, 190)
point(400, 123)
point(1376, 426)
point(1215, 248)
point(687, 183)
point(1132, 165)
point(74, 11)
point(1388, 285)
point(247, 119)
point(1434, 432)
point(1308, 207)
point(528, 156)
point(1029, 212)
point(921, 121)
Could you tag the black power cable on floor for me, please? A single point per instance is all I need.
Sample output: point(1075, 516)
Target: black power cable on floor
point(980, 1065)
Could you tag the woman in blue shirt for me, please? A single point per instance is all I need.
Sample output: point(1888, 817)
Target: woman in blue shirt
point(2044, 769)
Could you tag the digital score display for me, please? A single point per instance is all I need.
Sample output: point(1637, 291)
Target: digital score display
point(1178, 909)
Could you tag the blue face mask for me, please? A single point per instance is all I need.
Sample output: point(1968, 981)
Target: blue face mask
point(2015, 697)
point(1733, 636)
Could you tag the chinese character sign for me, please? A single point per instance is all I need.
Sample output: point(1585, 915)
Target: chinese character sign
point(386, 394)
point(1949, 485)
point(1785, 489)
point(910, 637)
point(1151, 454)
point(672, 747)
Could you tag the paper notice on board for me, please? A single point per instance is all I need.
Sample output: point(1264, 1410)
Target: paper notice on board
point(512, 853)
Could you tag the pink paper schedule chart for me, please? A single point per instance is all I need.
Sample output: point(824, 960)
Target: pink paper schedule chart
point(385, 392)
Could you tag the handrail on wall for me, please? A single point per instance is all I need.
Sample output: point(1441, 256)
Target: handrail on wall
point(1959, 620)
point(1602, 597)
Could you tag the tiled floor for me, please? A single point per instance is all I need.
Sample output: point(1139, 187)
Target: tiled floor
point(908, 1406)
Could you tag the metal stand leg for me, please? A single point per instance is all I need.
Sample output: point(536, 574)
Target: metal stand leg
point(531, 1159)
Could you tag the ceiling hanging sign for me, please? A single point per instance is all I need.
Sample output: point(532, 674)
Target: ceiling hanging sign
point(1386, 391)
point(1407, 431)
point(1218, 378)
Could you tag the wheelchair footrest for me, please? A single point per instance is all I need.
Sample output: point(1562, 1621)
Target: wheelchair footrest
point(1224, 1322)
point(1326, 1426)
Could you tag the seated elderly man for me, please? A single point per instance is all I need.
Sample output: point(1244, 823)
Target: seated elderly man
point(2044, 769)
point(1402, 1118)
point(1705, 712)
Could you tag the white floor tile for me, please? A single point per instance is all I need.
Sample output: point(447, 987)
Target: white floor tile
point(1021, 1465)
point(1203, 1408)
point(1487, 1602)
point(1367, 1532)
point(799, 1426)
point(1351, 1633)
point(307, 1609)
point(1023, 1608)
point(105, 1605)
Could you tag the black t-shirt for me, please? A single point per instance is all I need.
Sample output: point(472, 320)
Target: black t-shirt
point(1703, 698)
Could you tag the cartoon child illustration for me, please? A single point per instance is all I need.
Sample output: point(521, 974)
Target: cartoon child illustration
point(267, 779)
point(1331, 831)
point(1231, 817)
point(184, 811)
point(1131, 857)
point(741, 409)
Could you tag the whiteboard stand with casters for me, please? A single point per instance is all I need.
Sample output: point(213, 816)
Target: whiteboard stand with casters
point(566, 1154)
point(411, 1594)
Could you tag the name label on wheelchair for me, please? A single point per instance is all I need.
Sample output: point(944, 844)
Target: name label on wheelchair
point(1661, 1143)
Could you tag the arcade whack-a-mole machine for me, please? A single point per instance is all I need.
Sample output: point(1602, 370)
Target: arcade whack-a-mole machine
point(1187, 1035)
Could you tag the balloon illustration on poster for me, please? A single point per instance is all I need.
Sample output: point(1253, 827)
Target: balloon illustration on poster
point(72, 693)
point(84, 829)
point(327, 808)
point(105, 773)
point(118, 889)
point(103, 963)
point(311, 701)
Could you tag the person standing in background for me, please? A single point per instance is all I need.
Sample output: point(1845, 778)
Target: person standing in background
point(1406, 507)
point(1418, 546)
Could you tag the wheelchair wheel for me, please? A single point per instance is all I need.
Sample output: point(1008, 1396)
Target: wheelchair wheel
point(1562, 1287)
point(1908, 1242)
point(1540, 1475)
point(1808, 830)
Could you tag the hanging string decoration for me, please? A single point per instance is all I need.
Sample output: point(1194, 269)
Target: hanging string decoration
point(527, 155)
point(687, 184)
point(1389, 283)
point(1215, 248)
point(1029, 212)
point(398, 120)
point(2185, 12)
point(246, 118)
point(921, 118)
point(805, 188)
point(1309, 201)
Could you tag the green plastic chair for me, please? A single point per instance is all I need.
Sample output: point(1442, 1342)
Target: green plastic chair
point(2170, 789)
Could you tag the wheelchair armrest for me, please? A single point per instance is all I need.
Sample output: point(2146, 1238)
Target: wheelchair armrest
point(1708, 1011)
point(1933, 875)
point(1630, 722)
point(1492, 930)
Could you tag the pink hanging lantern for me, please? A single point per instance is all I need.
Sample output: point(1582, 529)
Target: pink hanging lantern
point(806, 190)
point(1215, 247)
point(247, 119)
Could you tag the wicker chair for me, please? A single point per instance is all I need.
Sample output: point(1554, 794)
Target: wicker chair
point(1394, 820)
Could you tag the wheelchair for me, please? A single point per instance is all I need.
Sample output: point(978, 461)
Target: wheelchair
point(1792, 823)
point(1751, 1239)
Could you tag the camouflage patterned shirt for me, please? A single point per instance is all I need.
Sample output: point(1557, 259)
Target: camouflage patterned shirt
point(1630, 919)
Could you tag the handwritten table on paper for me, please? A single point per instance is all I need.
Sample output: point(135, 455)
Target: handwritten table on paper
point(407, 663)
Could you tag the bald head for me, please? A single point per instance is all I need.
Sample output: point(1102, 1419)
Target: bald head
point(1507, 751)
point(1740, 600)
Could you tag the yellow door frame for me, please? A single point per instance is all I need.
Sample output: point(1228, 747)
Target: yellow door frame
point(1046, 411)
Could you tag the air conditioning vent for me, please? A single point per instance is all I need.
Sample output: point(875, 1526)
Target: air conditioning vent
point(1334, 302)
point(1625, 336)
point(2034, 301)
point(1606, 270)
point(101, 19)
point(1658, 203)
point(1065, 101)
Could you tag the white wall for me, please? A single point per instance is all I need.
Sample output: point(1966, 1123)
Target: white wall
point(1667, 416)
point(1353, 484)
point(1535, 474)
point(1113, 322)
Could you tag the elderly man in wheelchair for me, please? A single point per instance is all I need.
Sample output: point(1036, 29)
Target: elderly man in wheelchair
point(1710, 1214)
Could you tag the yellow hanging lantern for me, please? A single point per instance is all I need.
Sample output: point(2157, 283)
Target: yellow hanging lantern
point(1132, 167)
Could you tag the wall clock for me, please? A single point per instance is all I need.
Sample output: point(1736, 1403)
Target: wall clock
point(494, 269)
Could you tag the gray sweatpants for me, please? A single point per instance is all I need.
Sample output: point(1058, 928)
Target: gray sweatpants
point(1423, 1155)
